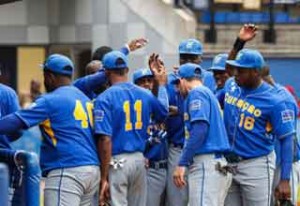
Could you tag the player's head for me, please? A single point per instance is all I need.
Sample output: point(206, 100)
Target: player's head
point(115, 64)
point(188, 76)
point(100, 52)
point(190, 51)
point(144, 78)
point(58, 70)
point(248, 64)
point(93, 67)
point(219, 69)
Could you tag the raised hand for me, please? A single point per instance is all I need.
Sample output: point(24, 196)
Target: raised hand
point(247, 32)
point(136, 44)
point(158, 70)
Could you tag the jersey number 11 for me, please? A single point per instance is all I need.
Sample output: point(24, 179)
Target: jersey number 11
point(138, 112)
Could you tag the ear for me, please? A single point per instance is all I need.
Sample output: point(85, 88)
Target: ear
point(51, 77)
point(126, 70)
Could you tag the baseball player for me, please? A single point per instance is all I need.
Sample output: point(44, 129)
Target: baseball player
point(190, 51)
point(69, 160)
point(122, 115)
point(292, 106)
point(156, 151)
point(220, 74)
point(206, 141)
point(253, 113)
point(9, 103)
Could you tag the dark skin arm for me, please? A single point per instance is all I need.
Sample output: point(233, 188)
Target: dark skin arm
point(104, 151)
point(246, 33)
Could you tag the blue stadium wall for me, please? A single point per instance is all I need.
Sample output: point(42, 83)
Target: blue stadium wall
point(284, 70)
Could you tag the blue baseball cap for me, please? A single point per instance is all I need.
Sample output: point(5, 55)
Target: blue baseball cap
point(115, 60)
point(141, 73)
point(59, 64)
point(219, 62)
point(248, 58)
point(187, 71)
point(190, 46)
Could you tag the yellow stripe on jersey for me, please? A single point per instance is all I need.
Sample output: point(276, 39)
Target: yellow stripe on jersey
point(47, 127)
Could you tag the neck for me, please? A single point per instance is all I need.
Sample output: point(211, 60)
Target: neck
point(63, 82)
point(194, 83)
point(254, 86)
point(118, 79)
point(256, 83)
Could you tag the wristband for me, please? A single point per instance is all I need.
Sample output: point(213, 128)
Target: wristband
point(239, 44)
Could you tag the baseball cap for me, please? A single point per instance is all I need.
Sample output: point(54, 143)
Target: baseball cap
point(189, 70)
point(219, 62)
point(59, 64)
point(114, 60)
point(248, 58)
point(141, 73)
point(190, 46)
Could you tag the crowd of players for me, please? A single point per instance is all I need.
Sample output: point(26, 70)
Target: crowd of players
point(190, 137)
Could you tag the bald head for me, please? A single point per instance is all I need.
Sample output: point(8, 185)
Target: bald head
point(93, 67)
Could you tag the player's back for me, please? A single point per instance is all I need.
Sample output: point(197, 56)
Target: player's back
point(66, 128)
point(129, 108)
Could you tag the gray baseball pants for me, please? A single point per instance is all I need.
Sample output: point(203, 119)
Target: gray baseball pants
point(207, 185)
point(175, 196)
point(252, 182)
point(127, 180)
point(77, 186)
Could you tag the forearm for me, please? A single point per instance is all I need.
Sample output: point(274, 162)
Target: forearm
point(162, 96)
point(104, 151)
point(237, 46)
point(11, 125)
point(91, 82)
point(196, 139)
point(286, 156)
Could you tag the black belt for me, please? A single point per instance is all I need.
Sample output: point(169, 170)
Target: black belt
point(233, 158)
point(158, 164)
point(176, 145)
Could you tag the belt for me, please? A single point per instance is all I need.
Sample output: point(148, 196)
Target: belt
point(176, 145)
point(158, 164)
point(234, 158)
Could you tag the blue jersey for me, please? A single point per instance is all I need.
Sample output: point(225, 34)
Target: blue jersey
point(156, 145)
point(122, 112)
point(252, 117)
point(209, 80)
point(174, 124)
point(9, 104)
point(202, 105)
point(65, 116)
point(291, 105)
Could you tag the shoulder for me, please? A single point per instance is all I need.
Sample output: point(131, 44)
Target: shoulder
point(7, 91)
point(201, 91)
